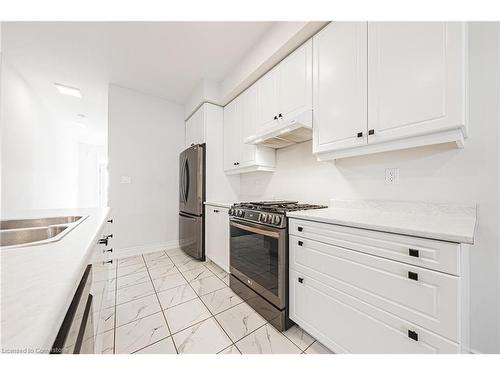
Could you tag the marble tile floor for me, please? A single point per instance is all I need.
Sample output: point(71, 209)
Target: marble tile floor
point(167, 303)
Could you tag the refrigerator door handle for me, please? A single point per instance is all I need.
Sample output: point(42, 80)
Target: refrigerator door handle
point(186, 184)
point(181, 182)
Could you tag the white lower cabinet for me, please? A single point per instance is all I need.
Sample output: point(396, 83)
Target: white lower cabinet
point(103, 269)
point(355, 299)
point(348, 325)
point(217, 235)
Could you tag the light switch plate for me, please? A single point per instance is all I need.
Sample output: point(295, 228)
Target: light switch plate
point(126, 180)
point(392, 176)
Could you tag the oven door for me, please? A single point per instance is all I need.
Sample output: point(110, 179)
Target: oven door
point(258, 259)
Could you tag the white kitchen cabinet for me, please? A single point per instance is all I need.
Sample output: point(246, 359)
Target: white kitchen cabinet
point(217, 235)
point(363, 296)
point(239, 118)
point(340, 92)
point(285, 92)
point(103, 276)
point(219, 186)
point(416, 82)
point(195, 129)
point(385, 86)
point(268, 100)
point(295, 83)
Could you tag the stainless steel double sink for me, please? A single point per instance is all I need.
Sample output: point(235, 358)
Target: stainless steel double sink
point(36, 231)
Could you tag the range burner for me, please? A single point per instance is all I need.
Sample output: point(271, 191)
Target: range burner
point(268, 212)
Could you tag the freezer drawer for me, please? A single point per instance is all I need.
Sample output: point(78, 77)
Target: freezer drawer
point(191, 235)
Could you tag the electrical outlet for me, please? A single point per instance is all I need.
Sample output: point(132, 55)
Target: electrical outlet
point(392, 176)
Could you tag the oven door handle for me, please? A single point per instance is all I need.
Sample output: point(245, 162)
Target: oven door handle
point(256, 230)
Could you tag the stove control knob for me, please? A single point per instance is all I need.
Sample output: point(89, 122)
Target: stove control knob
point(277, 220)
point(263, 218)
point(240, 213)
point(270, 219)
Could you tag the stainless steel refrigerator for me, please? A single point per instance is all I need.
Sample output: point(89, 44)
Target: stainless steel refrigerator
point(191, 198)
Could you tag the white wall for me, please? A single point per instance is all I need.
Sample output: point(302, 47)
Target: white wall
point(145, 137)
point(207, 91)
point(38, 154)
point(435, 173)
point(91, 158)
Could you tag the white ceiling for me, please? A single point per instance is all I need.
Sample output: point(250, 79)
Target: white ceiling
point(166, 59)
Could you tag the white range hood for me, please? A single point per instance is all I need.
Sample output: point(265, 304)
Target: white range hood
point(287, 132)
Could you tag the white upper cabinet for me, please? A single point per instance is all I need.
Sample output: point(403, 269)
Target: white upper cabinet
point(195, 129)
point(386, 85)
point(284, 97)
point(267, 88)
point(295, 83)
point(340, 95)
point(231, 134)
point(416, 82)
point(239, 120)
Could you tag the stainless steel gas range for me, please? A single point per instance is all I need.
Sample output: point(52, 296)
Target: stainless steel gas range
point(259, 256)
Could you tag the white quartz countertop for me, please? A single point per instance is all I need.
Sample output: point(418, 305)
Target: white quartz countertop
point(39, 282)
point(453, 223)
point(219, 204)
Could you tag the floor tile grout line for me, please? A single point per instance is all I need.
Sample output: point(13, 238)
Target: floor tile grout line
point(310, 345)
point(210, 312)
point(227, 347)
point(162, 312)
point(153, 343)
point(249, 333)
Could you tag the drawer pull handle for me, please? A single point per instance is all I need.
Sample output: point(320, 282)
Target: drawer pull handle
point(413, 275)
point(107, 251)
point(216, 211)
point(300, 243)
point(103, 241)
point(413, 253)
point(110, 221)
point(301, 280)
point(300, 229)
point(413, 335)
point(108, 262)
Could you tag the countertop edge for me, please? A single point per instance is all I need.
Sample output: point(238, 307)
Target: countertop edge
point(386, 229)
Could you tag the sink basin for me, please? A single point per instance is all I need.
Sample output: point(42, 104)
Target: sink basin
point(39, 222)
point(28, 236)
point(38, 231)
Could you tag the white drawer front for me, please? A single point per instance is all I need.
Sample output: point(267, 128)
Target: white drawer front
point(347, 325)
point(431, 301)
point(436, 255)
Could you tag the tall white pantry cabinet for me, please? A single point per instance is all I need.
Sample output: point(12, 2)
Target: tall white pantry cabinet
point(380, 86)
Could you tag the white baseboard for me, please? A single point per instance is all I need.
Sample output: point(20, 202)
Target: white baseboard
point(144, 249)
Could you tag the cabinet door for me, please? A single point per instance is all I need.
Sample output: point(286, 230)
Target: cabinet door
point(339, 86)
point(195, 129)
point(295, 82)
point(415, 78)
point(249, 124)
point(268, 99)
point(231, 134)
point(349, 325)
point(217, 236)
point(211, 218)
